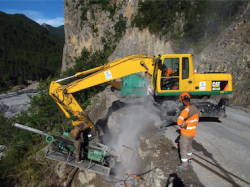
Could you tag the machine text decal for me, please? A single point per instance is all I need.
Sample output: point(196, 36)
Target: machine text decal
point(108, 75)
point(219, 85)
point(203, 85)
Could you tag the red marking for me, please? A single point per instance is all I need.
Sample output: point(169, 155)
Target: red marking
point(225, 87)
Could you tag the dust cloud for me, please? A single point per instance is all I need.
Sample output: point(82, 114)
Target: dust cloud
point(126, 125)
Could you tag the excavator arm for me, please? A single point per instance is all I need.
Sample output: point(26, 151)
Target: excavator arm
point(62, 94)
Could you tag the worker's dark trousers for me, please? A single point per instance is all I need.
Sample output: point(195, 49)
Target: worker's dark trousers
point(79, 148)
point(185, 149)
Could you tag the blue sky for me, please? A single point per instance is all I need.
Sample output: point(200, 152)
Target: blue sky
point(41, 11)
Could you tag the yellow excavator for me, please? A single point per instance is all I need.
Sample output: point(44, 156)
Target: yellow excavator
point(169, 75)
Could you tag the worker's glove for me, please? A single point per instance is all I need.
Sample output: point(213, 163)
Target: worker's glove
point(184, 126)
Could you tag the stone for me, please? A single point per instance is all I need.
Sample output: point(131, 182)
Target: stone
point(86, 176)
point(60, 170)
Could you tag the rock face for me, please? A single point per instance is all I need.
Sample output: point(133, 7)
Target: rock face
point(230, 52)
point(98, 30)
point(140, 42)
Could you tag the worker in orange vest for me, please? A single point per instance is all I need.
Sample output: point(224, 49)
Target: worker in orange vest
point(80, 134)
point(169, 72)
point(187, 120)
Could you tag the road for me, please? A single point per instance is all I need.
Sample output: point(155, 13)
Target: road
point(13, 102)
point(226, 143)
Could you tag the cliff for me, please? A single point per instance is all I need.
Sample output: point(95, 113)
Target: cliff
point(100, 28)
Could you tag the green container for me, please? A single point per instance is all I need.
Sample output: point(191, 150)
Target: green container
point(133, 86)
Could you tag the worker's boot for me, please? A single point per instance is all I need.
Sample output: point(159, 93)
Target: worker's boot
point(182, 168)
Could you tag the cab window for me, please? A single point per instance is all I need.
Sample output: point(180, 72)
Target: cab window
point(170, 74)
point(185, 68)
point(170, 67)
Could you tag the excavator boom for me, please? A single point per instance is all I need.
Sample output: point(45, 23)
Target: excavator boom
point(62, 94)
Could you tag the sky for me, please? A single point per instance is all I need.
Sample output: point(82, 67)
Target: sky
point(41, 11)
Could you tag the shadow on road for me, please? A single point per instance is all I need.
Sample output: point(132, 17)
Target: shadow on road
point(209, 119)
point(175, 181)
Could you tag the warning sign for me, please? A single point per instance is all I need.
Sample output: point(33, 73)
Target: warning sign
point(108, 75)
point(219, 85)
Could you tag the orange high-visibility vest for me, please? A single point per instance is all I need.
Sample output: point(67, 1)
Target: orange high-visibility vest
point(191, 122)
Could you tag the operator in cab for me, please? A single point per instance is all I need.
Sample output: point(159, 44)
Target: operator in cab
point(187, 120)
point(80, 134)
point(168, 72)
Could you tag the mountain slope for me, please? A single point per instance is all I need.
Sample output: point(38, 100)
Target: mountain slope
point(59, 31)
point(27, 50)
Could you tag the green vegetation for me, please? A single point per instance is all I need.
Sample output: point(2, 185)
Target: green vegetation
point(83, 15)
point(120, 28)
point(27, 51)
point(105, 5)
point(202, 19)
point(159, 16)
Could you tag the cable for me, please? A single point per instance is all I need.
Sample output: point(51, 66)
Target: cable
point(145, 172)
point(118, 180)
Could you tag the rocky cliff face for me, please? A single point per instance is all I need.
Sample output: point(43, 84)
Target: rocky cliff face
point(98, 30)
point(140, 42)
point(230, 52)
point(93, 26)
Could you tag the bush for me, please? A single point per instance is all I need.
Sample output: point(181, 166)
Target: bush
point(120, 27)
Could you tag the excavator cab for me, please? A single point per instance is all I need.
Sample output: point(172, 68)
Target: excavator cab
point(175, 75)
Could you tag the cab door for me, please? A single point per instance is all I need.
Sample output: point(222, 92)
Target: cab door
point(186, 74)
